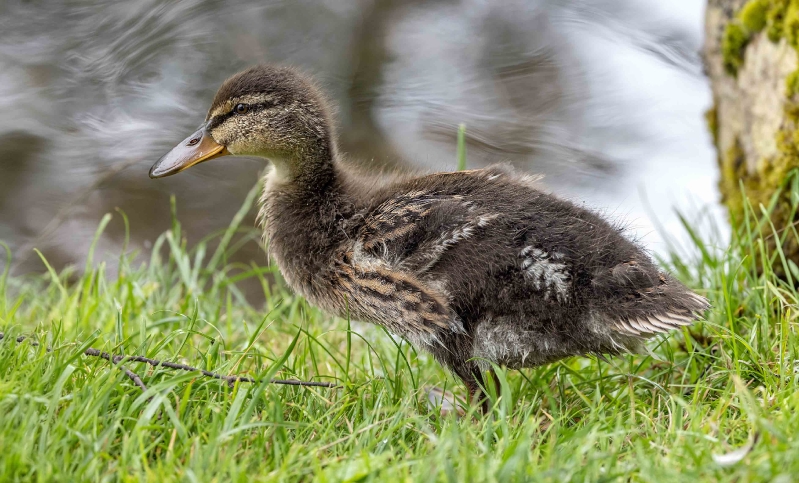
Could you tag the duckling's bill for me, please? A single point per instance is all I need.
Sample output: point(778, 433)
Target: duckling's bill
point(195, 149)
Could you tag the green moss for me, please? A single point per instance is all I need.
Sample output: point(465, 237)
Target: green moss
point(772, 176)
point(792, 84)
point(775, 171)
point(790, 24)
point(760, 186)
point(754, 15)
point(733, 168)
point(774, 19)
point(732, 47)
point(780, 19)
point(712, 121)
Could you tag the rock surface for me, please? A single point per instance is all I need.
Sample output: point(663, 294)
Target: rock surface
point(753, 120)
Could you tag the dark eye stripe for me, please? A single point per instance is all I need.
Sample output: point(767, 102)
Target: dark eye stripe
point(219, 119)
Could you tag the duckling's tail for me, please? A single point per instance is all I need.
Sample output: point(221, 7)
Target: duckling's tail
point(640, 301)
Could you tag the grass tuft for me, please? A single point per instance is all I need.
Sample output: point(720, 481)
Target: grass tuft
point(461, 153)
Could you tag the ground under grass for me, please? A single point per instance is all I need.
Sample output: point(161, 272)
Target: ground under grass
point(705, 392)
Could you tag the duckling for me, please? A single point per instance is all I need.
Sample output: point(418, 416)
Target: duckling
point(475, 267)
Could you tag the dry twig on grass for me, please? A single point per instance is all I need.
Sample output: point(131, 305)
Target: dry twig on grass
point(118, 359)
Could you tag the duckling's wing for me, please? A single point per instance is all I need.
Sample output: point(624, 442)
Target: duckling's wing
point(412, 230)
point(372, 291)
point(400, 240)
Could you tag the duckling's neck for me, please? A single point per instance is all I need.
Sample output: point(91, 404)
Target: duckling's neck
point(304, 211)
point(310, 169)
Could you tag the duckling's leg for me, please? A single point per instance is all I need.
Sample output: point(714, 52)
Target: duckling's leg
point(473, 379)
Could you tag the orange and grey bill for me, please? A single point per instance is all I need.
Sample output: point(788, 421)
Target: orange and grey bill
point(195, 149)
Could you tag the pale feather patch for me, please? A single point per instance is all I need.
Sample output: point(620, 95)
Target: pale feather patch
point(500, 343)
point(483, 220)
point(682, 319)
point(637, 326)
point(361, 258)
point(452, 237)
point(439, 286)
point(530, 180)
point(546, 272)
point(624, 326)
point(701, 300)
point(423, 340)
point(659, 325)
point(653, 324)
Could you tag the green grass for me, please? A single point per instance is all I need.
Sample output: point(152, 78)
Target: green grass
point(460, 155)
point(68, 417)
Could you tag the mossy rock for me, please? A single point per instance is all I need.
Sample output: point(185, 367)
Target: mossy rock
point(746, 185)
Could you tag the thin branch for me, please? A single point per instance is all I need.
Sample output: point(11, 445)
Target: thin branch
point(116, 360)
point(132, 375)
point(94, 352)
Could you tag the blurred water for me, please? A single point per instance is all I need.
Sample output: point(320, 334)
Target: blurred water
point(604, 97)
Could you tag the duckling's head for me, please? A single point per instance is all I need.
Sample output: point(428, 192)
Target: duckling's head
point(267, 111)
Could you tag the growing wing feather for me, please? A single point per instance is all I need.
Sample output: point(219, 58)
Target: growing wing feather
point(412, 231)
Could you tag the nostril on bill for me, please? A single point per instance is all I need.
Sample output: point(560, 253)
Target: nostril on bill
point(193, 142)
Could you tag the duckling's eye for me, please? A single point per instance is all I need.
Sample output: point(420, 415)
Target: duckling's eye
point(241, 108)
